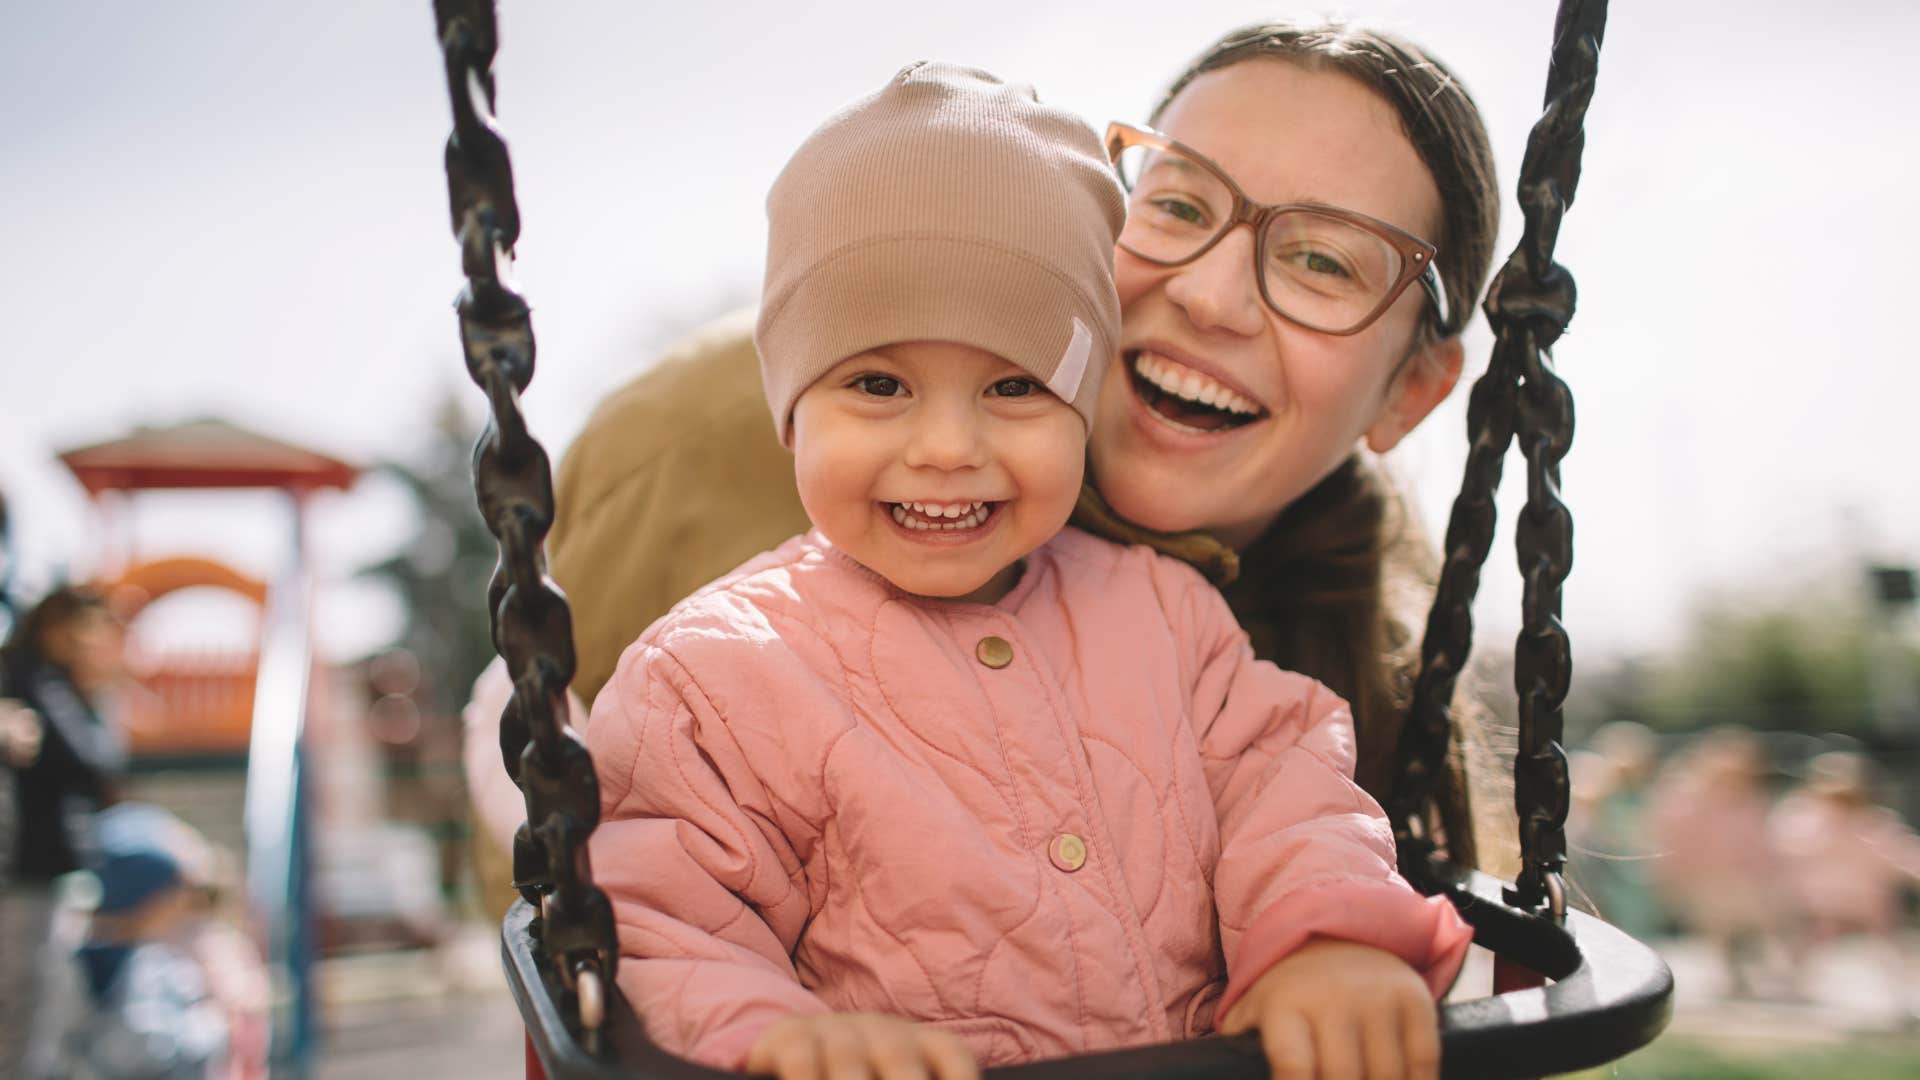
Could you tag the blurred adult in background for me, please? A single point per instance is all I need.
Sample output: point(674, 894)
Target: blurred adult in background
point(19, 924)
point(61, 662)
point(1846, 861)
point(1707, 817)
point(1608, 848)
point(56, 670)
point(19, 745)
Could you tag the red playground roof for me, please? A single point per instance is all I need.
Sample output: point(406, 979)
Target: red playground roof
point(203, 454)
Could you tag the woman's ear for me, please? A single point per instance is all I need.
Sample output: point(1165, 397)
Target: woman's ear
point(1425, 380)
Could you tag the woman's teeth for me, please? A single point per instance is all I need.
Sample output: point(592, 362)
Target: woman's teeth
point(947, 516)
point(1191, 386)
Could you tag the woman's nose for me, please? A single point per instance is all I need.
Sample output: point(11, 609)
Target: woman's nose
point(947, 435)
point(1218, 290)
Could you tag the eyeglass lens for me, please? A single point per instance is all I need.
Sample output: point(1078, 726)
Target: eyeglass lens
point(1317, 269)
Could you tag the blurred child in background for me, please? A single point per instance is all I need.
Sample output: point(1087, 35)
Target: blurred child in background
point(1707, 816)
point(1846, 861)
point(149, 1011)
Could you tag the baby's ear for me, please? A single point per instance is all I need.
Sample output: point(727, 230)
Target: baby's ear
point(1425, 380)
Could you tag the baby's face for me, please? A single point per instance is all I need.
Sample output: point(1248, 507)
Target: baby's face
point(937, 465)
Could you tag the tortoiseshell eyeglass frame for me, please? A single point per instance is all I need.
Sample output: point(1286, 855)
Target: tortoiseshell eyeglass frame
point(1416, 255)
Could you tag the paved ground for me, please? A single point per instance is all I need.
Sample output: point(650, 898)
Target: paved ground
point(420, 1015)
point(1847, 990)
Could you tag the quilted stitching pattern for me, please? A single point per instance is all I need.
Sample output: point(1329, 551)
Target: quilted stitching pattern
point(824, 800)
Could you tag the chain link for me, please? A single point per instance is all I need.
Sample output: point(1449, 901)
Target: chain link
point(1529, 305)
point(532, 625)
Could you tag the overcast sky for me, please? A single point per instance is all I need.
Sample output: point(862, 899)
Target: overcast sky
point(218, 207)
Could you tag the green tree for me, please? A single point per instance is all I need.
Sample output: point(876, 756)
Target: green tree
point(441, 573)
point(1793, 658)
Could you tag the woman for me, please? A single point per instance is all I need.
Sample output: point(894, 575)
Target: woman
point(1230, 433)
point(56, 667)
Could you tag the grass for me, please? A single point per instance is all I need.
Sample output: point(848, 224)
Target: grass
point(1881, 1057)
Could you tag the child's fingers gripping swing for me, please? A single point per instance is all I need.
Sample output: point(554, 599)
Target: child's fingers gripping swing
point(859, 1046)
point(1335, 1010)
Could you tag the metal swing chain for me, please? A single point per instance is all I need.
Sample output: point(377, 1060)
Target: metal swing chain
point(1528, 305)
point(532, 625)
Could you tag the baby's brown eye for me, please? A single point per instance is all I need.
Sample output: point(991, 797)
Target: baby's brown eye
point(878, 385)
point(1014, 387)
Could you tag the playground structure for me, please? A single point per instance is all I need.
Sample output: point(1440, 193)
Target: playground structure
point(220, 734)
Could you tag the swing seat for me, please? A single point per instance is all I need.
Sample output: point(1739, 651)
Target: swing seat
point(1606, 996)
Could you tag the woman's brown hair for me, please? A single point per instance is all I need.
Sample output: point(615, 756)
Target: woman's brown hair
point(61, 607)
point(1333, 586)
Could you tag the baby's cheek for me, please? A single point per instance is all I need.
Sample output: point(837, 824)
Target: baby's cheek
point(1053, 460)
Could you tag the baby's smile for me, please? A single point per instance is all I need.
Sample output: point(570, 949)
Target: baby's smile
point(941, 517)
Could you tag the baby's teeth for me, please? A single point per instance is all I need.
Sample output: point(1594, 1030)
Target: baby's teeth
point(950, 516)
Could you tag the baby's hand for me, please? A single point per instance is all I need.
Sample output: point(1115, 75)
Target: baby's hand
point(1335, 1010)
point(858, 1046)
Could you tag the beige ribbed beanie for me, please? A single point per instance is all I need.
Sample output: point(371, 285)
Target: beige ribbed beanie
point(949, 206)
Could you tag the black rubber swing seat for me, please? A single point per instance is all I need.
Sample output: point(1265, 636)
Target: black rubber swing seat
point(1607, 995)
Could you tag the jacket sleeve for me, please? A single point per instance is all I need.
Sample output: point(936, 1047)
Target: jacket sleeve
point(1304, 851)
point(708, 895)
point(79, 751)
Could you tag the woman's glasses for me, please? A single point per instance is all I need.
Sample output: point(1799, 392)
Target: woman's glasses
point(1327, 269)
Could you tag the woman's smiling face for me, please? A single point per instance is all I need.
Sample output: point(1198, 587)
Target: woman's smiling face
point(1284, 404)
point(936, 465)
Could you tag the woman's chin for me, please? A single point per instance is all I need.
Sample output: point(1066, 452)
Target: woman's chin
point(1164, 506)
point(1156, 496)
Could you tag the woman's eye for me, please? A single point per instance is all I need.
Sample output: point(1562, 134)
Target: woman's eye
point(1015, 387)
point(878, 385)
point(1315, 267)
point(1182, 210)
point(1319, 262)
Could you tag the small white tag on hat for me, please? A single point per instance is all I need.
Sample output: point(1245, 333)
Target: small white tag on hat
point(1072, 368)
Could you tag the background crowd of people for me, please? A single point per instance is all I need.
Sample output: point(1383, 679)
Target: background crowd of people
point(121, 952)
point(1767, 860)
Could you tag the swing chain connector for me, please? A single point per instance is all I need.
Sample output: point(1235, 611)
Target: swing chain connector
point(1529, 305)
point(513, 482)
point(1550, 904)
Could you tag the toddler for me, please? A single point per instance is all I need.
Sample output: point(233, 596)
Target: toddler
point(942, 782)
point(150, 1011)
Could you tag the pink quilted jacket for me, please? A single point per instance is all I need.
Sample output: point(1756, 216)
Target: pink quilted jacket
point(1049, 825)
